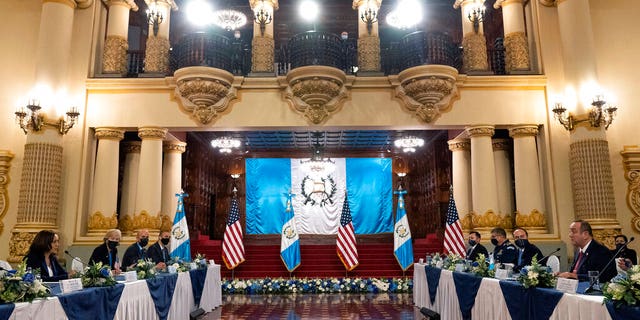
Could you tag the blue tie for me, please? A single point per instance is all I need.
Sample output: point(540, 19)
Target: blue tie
point(520, 256)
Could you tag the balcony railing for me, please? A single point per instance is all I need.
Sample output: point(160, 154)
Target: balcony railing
point(420, 48)
point(203, 49)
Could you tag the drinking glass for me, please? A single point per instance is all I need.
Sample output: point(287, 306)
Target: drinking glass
point(594, 278)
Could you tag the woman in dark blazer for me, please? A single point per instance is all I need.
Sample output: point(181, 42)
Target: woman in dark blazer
point(42, 256)
point(107, 252)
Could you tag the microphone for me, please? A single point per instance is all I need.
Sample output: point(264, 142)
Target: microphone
point(547, 256)
point(72, 257)
point(613, 258)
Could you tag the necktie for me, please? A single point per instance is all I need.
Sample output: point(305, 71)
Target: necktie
point(520, 256)
point(578, 261)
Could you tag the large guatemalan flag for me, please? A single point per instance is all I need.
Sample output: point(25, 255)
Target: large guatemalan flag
point(290, 240)
point(402, 246)
point(180, 243)
point(317, 203)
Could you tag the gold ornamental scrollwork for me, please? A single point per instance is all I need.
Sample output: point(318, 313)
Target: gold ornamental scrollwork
point(98, 221)
point(174, 146)
point(523, 131)
point(204, 92)
point(5, 164)
point(535, 220)
point(606, 236)
point(114, 58)
point(316, 92)
point(479, 131)
point(459, 145)
point(131, 147)
point(427, 90)
point(467, 222)
point(107, 133)
point(631, 163)
point(262, 54)
point(152, 133)
point(19, 245)
point(144, 220)
point(474, 57)
point(500, 145)
point(369, 53)
point(156, 58)
point(517, 51)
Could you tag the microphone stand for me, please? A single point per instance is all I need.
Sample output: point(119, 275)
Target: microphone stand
point(547, 256)
point(592, 288)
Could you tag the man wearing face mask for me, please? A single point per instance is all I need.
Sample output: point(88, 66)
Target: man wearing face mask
point(159, 252)
point(526, 250)
point(626, 253)
point(504, 251)
point(475, 248)
point(137, 250)
point(107, 252)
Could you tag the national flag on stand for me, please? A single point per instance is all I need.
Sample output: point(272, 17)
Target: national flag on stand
point(453, 237)
point(402, 246)
point(232, 246)
point(180, 242)
point(290, 240)
point(346, 242)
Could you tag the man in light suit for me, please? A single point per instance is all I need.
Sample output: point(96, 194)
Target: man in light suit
point(475, 248)
point(590, 256)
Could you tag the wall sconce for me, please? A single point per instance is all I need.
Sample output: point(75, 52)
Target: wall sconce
point(154, 17)
point(34, 120)
point(476, 15)
point(262, 16)
point(369, 15)
point(599, 115)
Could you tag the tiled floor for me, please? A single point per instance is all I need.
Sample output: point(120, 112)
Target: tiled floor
point(317, 306)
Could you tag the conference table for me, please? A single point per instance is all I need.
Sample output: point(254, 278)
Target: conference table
point(168, 296)
point(491, 302)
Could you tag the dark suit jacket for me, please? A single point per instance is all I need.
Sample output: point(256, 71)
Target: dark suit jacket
point(478, 249)
point(506, 253)
point(155, 253)
point(628, 254)
point(37, 262)
point(595, 259)
point(101, 254)
point(132, 255)
point(529, 252)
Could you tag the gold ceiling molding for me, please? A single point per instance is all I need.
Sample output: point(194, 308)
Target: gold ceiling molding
point(533, 221)
point(631, 163)
point(316, 92)
point(427, 90)
point(5, 164)
point(204, 92)
point(548, 3)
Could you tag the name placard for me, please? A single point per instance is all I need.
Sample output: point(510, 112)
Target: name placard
point(211, 262)
point(502, 274)
point(193, 266)
point(567, 285)
point(70, 285)
point(172, 269)
point(130, 276)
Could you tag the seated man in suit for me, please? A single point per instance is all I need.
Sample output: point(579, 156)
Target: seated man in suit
point(590, 256)
point(137, 250)
point(504, 251)
point(475, 248)
point(159, 252)
point(526, 250)
point(626, 253)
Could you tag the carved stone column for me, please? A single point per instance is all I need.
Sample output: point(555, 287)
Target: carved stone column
point(529, 194)
point(149, 189)
point(114, 57)
point(156, 56)
point(104, 197)
point(631, 162)
point(262, 44)
point(484, 188)
point(474, 44)
point(368, 37)
point(171, 176)
point(131, 150)
point(5, 164)
point(502, 162)
point(461, 172)
point(515, 38)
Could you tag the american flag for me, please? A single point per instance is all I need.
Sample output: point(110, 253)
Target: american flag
point(346, 241)
point(453, 238)
point(232, 247)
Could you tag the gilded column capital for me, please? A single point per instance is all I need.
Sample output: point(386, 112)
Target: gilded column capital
point(500, 144)
point(482, 130)
point(273, 3)
point(109, 133)
point(5, 164)
point(169, 3)
point(357, 3)
point(98, 223)
point(461, 3)
point(174, 147)
point(459, 145)
point(131, 4)
point(529, 130)
point(504, 3)
point(535, 221)
point(152, 133)
point(548, 3)
point(131, 146)
point(70, 3)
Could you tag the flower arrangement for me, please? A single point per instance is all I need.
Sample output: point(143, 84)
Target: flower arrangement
point(180, 265)
point(97, 275)
point(200, 261)
point(451, 260)
point(537, 275)
point(145, 269)
point(480, 267)
point(21, 285)
point(435, 260)
point(310, 285)
point(624, 290)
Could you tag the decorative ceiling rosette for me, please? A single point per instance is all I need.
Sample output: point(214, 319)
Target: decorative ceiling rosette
point(204, 92)
point(427, 90)
point(316, 91)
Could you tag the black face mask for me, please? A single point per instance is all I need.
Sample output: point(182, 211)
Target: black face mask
point(494, 242)
point(521, 243)
point(165, 241)
point(619, 245)
point(144, 242)
point(112, 244)
point(472, 242)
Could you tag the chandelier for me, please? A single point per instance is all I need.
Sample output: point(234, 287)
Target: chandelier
point(599, 115)
point(225, 144)
point(229, 19)
point(409, 143)
point(34, 120)
point(317, 166)
point(406, 15)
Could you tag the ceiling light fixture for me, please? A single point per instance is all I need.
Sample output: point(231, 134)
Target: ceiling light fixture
point(229, 19)
point(406, 15)
point(317, 166)
point(225, 144)
point(409, 143)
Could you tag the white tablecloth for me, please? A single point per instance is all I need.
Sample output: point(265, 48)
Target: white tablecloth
point(135, 301)
point(490, 303)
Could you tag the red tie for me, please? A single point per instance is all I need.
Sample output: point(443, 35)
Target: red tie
point(577, 266)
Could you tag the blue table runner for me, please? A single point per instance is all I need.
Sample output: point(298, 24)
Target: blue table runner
point(92, 303)
point(198, 278)
point(433, 281)
point(467, 286)
point(6, 309)
point(161, 289)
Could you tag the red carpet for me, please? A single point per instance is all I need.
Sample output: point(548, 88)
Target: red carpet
point(376, 259)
